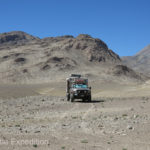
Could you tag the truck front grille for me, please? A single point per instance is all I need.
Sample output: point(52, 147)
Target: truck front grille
point(82, 92)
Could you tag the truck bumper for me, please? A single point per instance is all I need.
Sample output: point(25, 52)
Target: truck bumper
point(81, 96)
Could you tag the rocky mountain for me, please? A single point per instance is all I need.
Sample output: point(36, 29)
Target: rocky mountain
point(25, 58)
point(16, 38)
point(139, 62)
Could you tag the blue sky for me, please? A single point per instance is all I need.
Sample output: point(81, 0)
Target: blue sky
point(123, 24)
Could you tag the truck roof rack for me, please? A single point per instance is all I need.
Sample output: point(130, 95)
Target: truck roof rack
point(75, 75)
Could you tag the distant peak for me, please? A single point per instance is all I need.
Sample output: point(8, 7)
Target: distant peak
point(15, 36)
point(83, 36)
point(14, 33)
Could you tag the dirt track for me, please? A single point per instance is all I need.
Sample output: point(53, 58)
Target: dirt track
point(106, 123)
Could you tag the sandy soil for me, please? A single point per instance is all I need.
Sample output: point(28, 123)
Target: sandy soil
point(39, 117)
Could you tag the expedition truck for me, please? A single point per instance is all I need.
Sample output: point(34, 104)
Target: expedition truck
point(77, 88)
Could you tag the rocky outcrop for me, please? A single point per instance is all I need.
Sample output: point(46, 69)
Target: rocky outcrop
point(121, 70)
point(16, 38)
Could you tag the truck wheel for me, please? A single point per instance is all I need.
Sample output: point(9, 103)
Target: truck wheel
point(89, 98)
point(68, 97)
point(83, 99)
point(72, 98)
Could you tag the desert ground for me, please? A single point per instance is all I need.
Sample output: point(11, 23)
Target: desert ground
point(38, 116)
point(34, 113)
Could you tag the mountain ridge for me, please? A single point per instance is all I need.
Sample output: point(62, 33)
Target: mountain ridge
point(25, 58)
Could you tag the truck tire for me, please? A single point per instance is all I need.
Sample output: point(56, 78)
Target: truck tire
point(68, 97)
point(72, 98)
point(83, 99)
point(89, 98)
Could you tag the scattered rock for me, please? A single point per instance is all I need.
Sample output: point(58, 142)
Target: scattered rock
point(130, 127)
point(37, 131)
point(46, 67)
point(20, 60)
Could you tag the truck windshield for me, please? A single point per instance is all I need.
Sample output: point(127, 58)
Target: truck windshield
point(80, 86)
